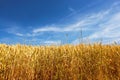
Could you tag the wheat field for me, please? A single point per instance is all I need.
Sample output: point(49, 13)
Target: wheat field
point(65, 62)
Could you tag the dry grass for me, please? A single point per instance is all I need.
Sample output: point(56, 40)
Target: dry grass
point(68, 62)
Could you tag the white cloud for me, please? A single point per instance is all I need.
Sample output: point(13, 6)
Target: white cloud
point(18, 34)
point(57, 42)
point(84, 40)
point(55, 29)
point(14, 30)
point(84, 24)
point(109, 29)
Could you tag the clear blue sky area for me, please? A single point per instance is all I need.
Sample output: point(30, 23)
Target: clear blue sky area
point(59, 21)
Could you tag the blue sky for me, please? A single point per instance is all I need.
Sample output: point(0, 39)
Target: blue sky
point(59, 21)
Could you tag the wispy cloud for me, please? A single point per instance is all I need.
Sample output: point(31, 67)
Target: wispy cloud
point(18, 31)
point(108, 29)
point(84, 24)
point(19, 34)
point(58, 42)
point(14, 30)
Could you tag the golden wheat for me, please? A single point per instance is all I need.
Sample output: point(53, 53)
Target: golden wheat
point(67, 62)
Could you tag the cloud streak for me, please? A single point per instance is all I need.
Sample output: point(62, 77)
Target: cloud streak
point(108, 29)
point(84, 24)
point(58, 42)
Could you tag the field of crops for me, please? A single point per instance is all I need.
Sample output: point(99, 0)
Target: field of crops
point(67, 62)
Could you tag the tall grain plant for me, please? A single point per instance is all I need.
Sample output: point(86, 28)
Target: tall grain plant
point(67, 62)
